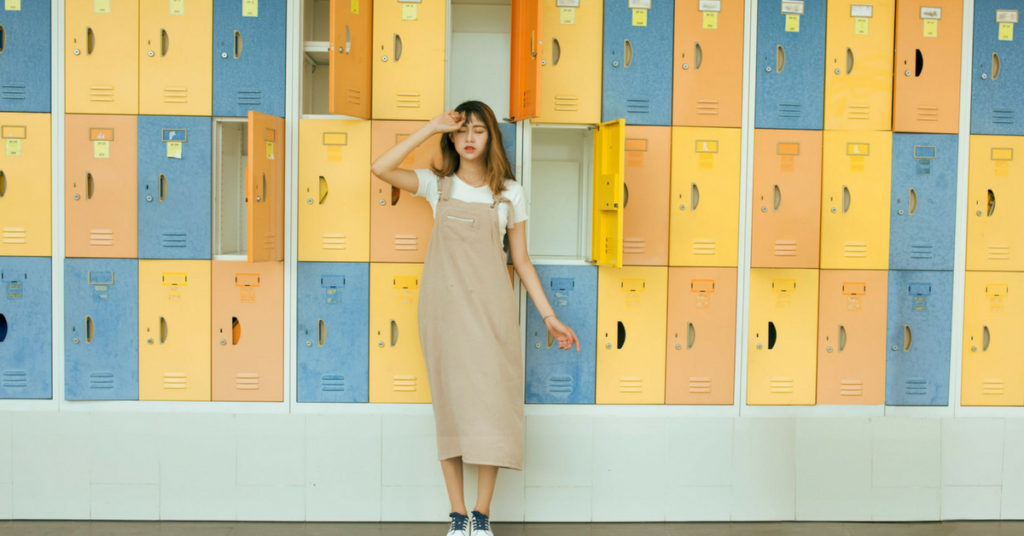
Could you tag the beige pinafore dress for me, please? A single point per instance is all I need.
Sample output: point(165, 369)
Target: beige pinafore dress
point(469, 333)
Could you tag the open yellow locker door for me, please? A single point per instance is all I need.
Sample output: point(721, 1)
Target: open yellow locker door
point(265, 188)
point(609, 174)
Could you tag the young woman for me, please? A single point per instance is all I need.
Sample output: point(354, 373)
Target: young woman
point(468, 318)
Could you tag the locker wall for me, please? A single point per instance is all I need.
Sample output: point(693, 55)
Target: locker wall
point(922, 215)
point(25, 63)
point(790, 65)
point(26, 366)
point(101, 54)
point(708, 44)
point(249, 58)
point(851, 336)
point(25, 185)
point(637, 70)
point(919, 321)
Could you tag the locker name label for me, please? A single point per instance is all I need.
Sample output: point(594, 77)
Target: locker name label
point(12, 5)
point(12, 131)
point(639, 17)
point(1002, 153)
point(174, 150)
point(861, 10)
point(101, 6)
point(710, 5)
point(101, 149)
point(930, 28)
point(567, 15)
point(12, 147)
point(793, 23)
point(639, 4)
point(250, 8)
point(101, 134)
point(793, 8)
point(1006, 15)
point(176, 7)
point(710, 20)
point(410, 11)
point(931, 13)
point(568, 3)
point(174, 134)
point(354, 6)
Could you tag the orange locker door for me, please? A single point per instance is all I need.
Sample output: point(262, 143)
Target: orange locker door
point(569, 29)
point(248, 331)
point(25, 185)
point(645, 213)
point(400, 223)
point(102, 56)
point(265, 188)
point(524, 88)
point(787, 199)
point(100, 186)
point(409, 58)
point(700, 364)
point(926, 85)
point(351, 54)
point(175, 57)
point(708, 81)
point(851, 336)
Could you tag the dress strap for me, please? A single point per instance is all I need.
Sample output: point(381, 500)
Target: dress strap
point(498, 200)
point(444, 186)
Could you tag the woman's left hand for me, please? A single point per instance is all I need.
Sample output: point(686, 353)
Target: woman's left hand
point(564, 334)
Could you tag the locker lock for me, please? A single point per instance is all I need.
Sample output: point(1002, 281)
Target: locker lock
point(615, 63)
point(906, 73)
point(380, 344)
point(383, 58)
point(150, 53)
point(309, 343)
point(984, 76)
point(837, 71)
point(543, 62)
point(764, 209)
point(382, 202)
point(608, 346)
point(223, 342)
point(309, 201)
point(149, 198)
point(149, 341)
point(77, 197)
point(768, 69)
point(224, 55)
point(833, 210)
point(679, 347)
point(900, 212)
point(77, 51)
point(686, 66)
point(682, 207)
point(759, 346)
point(828, 349)
point(75, 340)
point(894, 348)
point(536, 345)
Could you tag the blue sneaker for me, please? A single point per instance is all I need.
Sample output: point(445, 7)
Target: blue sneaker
point(481, 525)
point(459, 526)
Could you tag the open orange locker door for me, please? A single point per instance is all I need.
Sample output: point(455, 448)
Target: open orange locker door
point(350, 56)
point(525, 72)
point(265, 188)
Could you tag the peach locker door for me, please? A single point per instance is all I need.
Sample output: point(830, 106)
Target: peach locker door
point(398, 373)
point(701, 353)
point(781, 357)
point(524, 76)
point(855, 192)
point(570, 54)
point(101, 51)
point(858, 64)
point(175, 57)
point(708, 63)
point(100, 186)
point(787, 199)
point(926, 81)
point(174, 330)
point(851, 336)
point(409, 62)
point(705, 197)
point(334, 190)
point(25, 185)
point(265, 188)
point(995, 199)
point(993, 371)
point(631, 315)
point(351, 58)
point(609, 193)
point(247, 354)
point(400, 223)
point(648, 153)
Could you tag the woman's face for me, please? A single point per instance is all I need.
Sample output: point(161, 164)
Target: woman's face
point(471, 139)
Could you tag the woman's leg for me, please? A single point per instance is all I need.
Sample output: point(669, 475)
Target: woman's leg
point(452, 469)
point(487, 475)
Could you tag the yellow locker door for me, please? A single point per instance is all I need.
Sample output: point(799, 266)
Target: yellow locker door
point(995, 197)
point(174, 330)
point(334, 190)
point(705, 197)
point(570, 53)
point(408, 58)
point(102, 57)
point(609, 174)
point(631, 319)
point(993, 371)
point(858, 64)
point(175, 58)
point(25, 185)
point(782, 345)
point(398, 372)
point(855, 193)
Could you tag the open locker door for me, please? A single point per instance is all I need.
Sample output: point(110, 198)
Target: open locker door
point(609, 176)
point(525, 75)
point(350, 56)
point(265, 188)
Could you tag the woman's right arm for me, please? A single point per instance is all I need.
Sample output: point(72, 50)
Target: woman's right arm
point(386, 167)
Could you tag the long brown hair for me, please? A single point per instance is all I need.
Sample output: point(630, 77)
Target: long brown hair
point(495, 161)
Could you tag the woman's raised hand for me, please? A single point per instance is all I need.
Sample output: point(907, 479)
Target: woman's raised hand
point(449, 121)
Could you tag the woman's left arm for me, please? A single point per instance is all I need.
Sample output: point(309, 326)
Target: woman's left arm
point(528, 275)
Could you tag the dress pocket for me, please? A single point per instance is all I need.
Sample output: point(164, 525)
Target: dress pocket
point(460, 227)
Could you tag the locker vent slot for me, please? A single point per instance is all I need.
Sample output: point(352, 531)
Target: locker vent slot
point(785, 248)
point(13, 91)
point(269, 240)
point(172, 239)
point(916, 387)
point(408, 99)
point(790, 109)
point(861, 112)
point(332, 382)
point(921, 251)
point(101, 93)
point(404, 383)
point(993, 387)
point(101, 237)
point(101, 380)
point(1002, 116)
point(334, 241)
point(700, 386)
point(567, 103)
point(704, 247)
point(707, 107)
point(638, 106)
point(247, 381)
point(355, 96)
point(249, 97)
point(855, 249)
point(14, 235)
point(175, 380)
point(927, 112)
point(851, 388)
point(15, 378)
point(176, 95)
point(999, 252)
point(634, 245)
point(780, 386)
point(561, 384)
point(631, 384)
point(405, 242)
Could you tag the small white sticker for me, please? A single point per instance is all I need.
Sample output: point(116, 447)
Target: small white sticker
point(861, 10)
point(793, 7)
point(710, 5)
point(931, 13)
point(568, 3)
point(639, 4)
point(1006, 15)
point(410, 1)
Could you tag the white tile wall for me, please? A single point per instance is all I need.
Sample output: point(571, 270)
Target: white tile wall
point(699, 453)
point(409, 452)
point(6, 469)
point(270, 450)
point(629, 469)
point(6, 490)
point(50, 466)
point(833, 469)
point(415, 503)
point(972, 452)
point(270, 503)
point(708, 503)
point(343, 467)
point(122, 449)
point(124, 501)
point(906, 452)
point(764, 480)
point(559, 452)
point(558, 503)
point(906, 504)
point(197, 467)
point(1013, 470)
point(971, 502)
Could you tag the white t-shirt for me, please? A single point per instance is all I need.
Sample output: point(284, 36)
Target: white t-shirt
point(475, 194)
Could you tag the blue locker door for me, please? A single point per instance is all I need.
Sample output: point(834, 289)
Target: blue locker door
point(922, 215)
point(998, 70)
point(25, 56)
point(637, 64)
point(174, 187)
point(508, 136)
point(918, 338)
point(790, 65)
point(101, 319)
point(248, 58)
point(556, 376)
point(26, 364)
point(333, 332)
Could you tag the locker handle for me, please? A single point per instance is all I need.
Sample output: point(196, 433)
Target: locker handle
point(348, 40)
point(165, 42)
point(996, 65)
point(627, 54)
point(261, 194)
point(849, 60)
point(533, 44)
point(394, 333)
point(321, 332)
point(698, 55)
point(3, 183)
point(908, 338)
point(90, 329)
point(773, 335)
point(625, 195)
point(90, 41)
point(323, 189)
point(912, 202)
point(691, 335)
point(621, 333)
point(551, 340)
point(556, 51)
point(238, 44)
point(90, 186)
point(780, 58)
point(776, 197)
point(163, 187)
point(842, 337)
point(236, 331)
point(398, 47)
point(986, 338)
point(991, 202)
point(918, 62)
point(846, 199)
point(694, 196)
point(3, 38)
point(3, 327)
point(163, 330)
point(396, 193)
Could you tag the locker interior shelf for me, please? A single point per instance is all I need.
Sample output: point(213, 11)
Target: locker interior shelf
point(316, 52)
point(316, 27)
point(229, 195)
point(561, 164)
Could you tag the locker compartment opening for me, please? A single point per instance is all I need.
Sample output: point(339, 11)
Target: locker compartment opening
point(479, 54)
point(229, 189)
point(560, 167)
point(316, 35)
